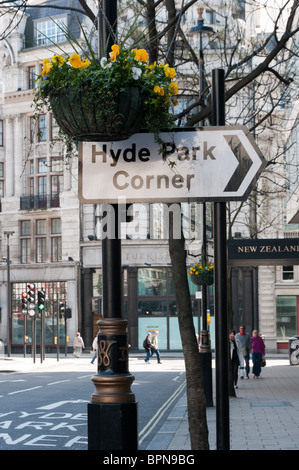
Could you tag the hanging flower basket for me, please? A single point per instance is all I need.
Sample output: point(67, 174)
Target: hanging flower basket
point(201, 275)
point(107, 99)
point(81, 116)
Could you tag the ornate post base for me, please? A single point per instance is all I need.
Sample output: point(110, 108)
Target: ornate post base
point(112, 413)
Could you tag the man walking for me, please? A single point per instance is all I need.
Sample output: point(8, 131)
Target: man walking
point(155, 348)
point(243, 342)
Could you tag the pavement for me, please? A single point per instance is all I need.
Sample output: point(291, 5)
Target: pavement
point(264, 415)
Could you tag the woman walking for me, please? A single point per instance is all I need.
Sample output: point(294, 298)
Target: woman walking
point(258, 351)
point(78, 345)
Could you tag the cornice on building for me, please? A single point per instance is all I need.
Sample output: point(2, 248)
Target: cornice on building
point(20, 95)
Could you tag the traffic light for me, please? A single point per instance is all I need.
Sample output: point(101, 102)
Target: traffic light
point(40, 300)
point(31, 299)
point(68, 312)
point(31, 293)
point(24, 301)
point(61, 309)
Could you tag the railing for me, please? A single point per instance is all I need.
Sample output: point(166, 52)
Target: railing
point(39, 202)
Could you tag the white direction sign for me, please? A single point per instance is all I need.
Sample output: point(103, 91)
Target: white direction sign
point(210, 163)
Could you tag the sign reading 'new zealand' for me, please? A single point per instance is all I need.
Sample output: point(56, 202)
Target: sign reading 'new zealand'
point(211, 163)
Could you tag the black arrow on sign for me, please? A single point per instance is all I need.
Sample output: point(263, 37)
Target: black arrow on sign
point(244, 160)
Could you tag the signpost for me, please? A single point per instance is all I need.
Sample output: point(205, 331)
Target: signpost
point(216, 164)
point(198, 164)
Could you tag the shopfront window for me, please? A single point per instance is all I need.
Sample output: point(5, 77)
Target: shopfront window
point(152, 281)
point(286, 316)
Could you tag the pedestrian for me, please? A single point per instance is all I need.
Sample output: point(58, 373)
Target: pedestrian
point(258, 352)
point(148, 347)
point(155, 348)
point(234, 355)
point(95, 349)
point(243, 342)
point(197, 341)
point(78, 345)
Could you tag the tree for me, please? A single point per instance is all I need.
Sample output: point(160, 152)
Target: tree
point(259, 71)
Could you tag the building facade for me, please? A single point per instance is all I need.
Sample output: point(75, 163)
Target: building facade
point(51, 240)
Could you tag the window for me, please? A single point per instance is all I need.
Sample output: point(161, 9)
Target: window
point(41, 241)
point(25, 241)
point(42, 165)
point(41, 227)
point(54, 127)
point(56, 186)
point(1, 180)
point(56, 240)
point(40, 236)
point(31, 77)
point(50, 31)
point(288, 273)
point(42, 191)
point(1, 133)
point(42, 128)
point(39, 128)
point(56, 164)
point(32, 129)
point(286, 316)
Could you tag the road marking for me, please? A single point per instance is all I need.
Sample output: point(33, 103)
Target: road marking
point(156, 418)
point(16, 380)
point(26, 390)
point(57, 404)
point(59, 382)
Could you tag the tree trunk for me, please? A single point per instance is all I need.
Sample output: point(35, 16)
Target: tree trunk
point(195, 390)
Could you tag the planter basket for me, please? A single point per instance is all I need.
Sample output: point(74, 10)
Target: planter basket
point(81, 116)
point(204, 278)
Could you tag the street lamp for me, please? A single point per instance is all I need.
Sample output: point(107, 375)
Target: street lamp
point(8, 234)
point(206, 31)
point(205, 349)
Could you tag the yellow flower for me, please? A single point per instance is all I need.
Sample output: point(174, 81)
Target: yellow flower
point(151, 66)
point(141, 55)
point(115, 48)
point(173, 88)
point(169, 72)
point(75, 61)
point(113, 56)
point(85, 63)
point(58, 59)
point(175, 102)
point(159, 90)
point(46, 67)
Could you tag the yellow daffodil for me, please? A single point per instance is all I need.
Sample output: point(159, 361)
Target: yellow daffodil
point(75, 61)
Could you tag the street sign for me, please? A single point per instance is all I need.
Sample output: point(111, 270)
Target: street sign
point(198, 164)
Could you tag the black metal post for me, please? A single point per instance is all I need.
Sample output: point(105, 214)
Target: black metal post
point(205, 346)
point(220, 279)
point(112, 413)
